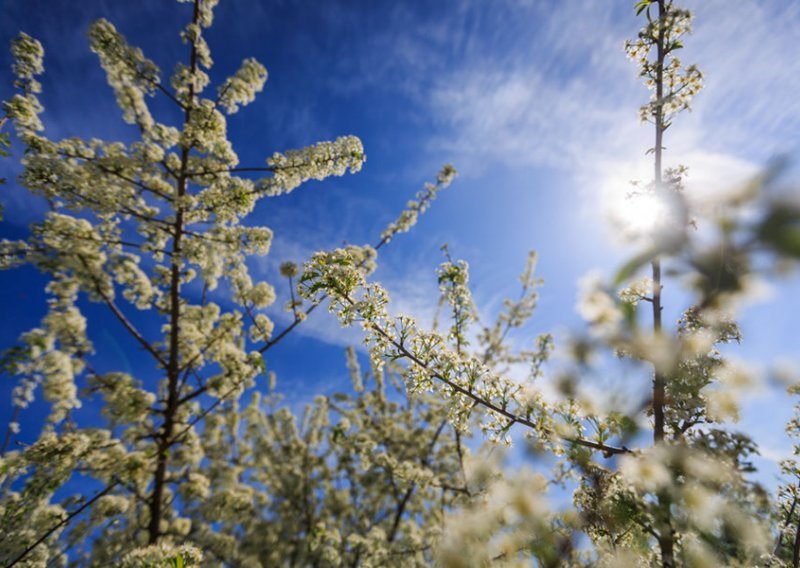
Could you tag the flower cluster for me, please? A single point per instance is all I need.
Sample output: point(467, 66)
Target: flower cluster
point(24, 109)
point(315, 162)
point(408, 218)
point(163, 555)
point(129, 72)
point(328, 476)
point(379, 476)
point(598, 307)
point(28, 55)
point(241, 89)
point(663, 68)
point(453, 280)
point(134, 226)
point(463, 380)
point(636, 291)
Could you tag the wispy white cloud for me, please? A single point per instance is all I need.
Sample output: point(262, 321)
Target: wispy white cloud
point(565, 100)
point(746, 50)
point(555, 100)
point(572, 105)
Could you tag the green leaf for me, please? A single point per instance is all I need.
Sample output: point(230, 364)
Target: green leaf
point(627, 426)
point(629, 313)
point(311, 275)
point(719, 270)
point(780, 230)
point(641, 5)
point(315, 287)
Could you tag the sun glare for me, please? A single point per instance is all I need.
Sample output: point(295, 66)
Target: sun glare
point(640, 214)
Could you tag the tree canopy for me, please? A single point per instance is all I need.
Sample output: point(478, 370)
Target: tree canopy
point(199, 460)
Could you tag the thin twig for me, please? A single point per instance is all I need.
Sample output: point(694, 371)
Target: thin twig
point(606, 449)
point(62, 522)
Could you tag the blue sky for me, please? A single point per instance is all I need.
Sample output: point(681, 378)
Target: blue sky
point(533, 101)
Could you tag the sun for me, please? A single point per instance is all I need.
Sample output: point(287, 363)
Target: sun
point(636, 211)
point(641, 214)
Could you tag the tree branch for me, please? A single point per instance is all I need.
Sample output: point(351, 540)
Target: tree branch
point(62, 523)
point(607, 450)
point(124, 320)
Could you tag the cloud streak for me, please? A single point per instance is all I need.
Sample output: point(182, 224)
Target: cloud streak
point(572, 105)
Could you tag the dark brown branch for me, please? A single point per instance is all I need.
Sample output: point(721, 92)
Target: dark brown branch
point(297, 321)
point(192, 395)
point(796, 546)
point(130, 244)
point(173, 369)
point(62, 523)
point(122, 209)
point(401, 507)
point(124, 320)
point(271, 343)
point(781, 534)
point(222, 94)
point(169, 95)
point(202, 173)
point(666, 538)
point(606, 449)
point(105, 169)
point(9, 432)
point(159, 86)
point(205, 412)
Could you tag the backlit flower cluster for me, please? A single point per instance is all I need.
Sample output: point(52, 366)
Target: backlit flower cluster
point(155, 225)
point(315, 162)
point(680, 83)
point(462, 379)
point(408, 218)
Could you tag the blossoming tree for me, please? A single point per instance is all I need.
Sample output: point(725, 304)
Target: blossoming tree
point(190, 471)
point(154, 225)
point(687, 499)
